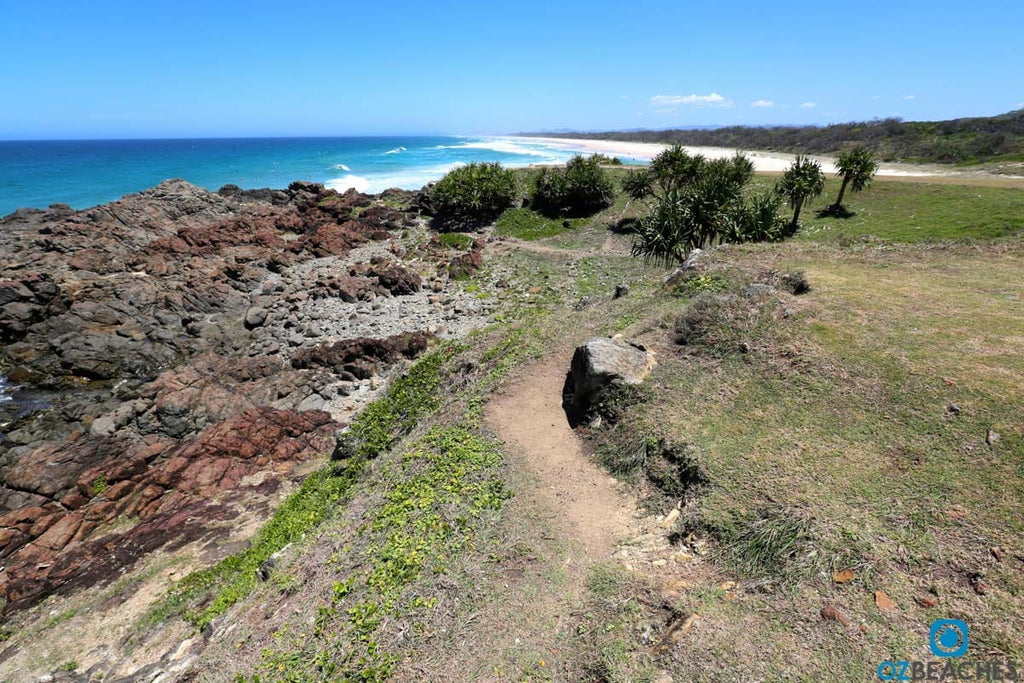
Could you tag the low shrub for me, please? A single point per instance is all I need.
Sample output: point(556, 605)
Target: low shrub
point(581, 188)
point(606, 160)
point(757, 219)
point(474, 193)
point(795, 283)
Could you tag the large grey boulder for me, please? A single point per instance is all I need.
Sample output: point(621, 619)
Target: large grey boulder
point(601, 364)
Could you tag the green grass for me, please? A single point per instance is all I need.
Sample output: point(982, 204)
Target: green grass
point(432, 500)
point(526, 224)
point(455, 240)
point(898, 211)
point(206, 594)
point(830, 446)
point(391, 417)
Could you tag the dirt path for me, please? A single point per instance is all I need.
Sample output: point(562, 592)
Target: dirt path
point(529, 418)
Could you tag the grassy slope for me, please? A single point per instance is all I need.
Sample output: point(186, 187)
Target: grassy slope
point(918, 211)
point(838, 419)
point(835, 424)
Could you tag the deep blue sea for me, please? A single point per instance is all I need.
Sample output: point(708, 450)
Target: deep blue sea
point(89, 172)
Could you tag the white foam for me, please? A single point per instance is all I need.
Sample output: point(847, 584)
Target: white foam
point(408, 179)
point(504, 146)
point(349, 182)
point(341, 167)
point(396, 150)
point(5, 388)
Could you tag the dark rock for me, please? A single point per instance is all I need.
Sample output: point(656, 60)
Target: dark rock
point(467, 264)
point(398, 280)
point(359, 356)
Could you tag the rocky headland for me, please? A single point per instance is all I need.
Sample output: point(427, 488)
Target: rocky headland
point(182, 357)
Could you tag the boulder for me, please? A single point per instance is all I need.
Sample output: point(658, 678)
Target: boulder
point(255, 317)
point(399, 281)
point(604, 363)
point(757, 289)
point(692, 264)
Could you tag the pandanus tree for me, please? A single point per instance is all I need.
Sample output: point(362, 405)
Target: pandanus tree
point(801, 182)
point(672, 170)
point(856, 167)
point(696, 203)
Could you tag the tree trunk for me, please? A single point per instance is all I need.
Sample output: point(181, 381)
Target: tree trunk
point(842, 191)
point(796, 213)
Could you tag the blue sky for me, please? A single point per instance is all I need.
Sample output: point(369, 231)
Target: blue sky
point(107, 69)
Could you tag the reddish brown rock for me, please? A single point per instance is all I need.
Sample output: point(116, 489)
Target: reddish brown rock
point(352, 355)
point(469, 263)
point(398, 280)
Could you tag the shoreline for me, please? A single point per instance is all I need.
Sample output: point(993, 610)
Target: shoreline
point(777, 162)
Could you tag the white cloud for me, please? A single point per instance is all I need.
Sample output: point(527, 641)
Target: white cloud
point(909, 97)
point(808, 105)
point(624, 97)
point(762, 103)
point(669, 102)
point(874, 97)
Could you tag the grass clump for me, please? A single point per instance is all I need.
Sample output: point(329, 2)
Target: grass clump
point(723, 324)
point(474, 193)
point(775, 543)
point(527, 224)
point(455, 240)
point(99, 485)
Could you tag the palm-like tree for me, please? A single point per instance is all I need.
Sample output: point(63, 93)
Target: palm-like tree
point(856, 167)
point(801, 181)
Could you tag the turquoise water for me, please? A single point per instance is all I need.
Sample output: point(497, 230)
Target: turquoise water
point(89, 172)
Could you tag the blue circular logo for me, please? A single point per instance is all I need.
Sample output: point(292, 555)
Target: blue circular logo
point(948, 638)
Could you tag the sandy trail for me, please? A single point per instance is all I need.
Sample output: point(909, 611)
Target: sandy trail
point(529, 418)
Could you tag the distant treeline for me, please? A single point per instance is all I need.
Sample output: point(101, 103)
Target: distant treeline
point(972, 140)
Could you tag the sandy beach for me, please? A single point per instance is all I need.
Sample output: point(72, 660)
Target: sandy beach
point(776, 162)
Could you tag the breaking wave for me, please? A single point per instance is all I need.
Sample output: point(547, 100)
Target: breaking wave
point(409, 179)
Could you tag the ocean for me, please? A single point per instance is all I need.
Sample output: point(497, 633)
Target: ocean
point(84, 173)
